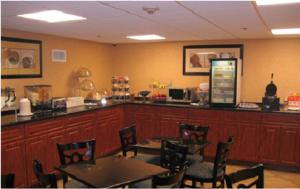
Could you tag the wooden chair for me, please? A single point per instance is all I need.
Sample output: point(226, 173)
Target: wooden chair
point(45, 180)
point(128, 140)
point(7, 181)
point(211, 173)
point(237, 177)
point(194, 133)
point(78, 152)
point(173, 157)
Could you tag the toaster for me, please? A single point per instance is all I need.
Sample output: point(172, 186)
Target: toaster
point(59, 103)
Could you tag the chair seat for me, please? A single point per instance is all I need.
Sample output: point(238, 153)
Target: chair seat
point(152, 159)
point(195, 158)
point(202, 171)
point(143, 184)
point(75, 184)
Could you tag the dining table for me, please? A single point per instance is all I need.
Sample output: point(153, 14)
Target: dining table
point(154, 144)
point(112, 171)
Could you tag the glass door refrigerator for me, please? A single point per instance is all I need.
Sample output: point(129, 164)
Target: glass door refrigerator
point(225, 82)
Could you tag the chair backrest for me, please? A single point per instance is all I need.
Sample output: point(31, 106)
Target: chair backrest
point(77, 152)
point(220, 161)
point(7, 181)
point(193, 132)
point(173, 156)
point(45, 180)
point(170, 180)
point(127, 137)
point(236, 177)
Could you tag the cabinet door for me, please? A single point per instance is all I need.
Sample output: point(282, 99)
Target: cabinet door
point(36, 149)
point(269, 143)
point(289, 145)
point(52, 152)
point(102, 132)
point(169, 126)
point(248, 142)
point(215, 135)
point(145, 126)
point(13, 160)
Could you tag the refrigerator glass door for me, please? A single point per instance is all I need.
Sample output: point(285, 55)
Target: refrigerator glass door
point(223, 81)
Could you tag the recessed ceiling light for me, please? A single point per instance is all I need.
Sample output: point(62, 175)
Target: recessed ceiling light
point(275, 2)
point(145, 37)
point(286, 31)
point(52, 16)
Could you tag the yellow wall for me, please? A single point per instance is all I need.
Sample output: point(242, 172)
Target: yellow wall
point(80, 53)
point(146, 62)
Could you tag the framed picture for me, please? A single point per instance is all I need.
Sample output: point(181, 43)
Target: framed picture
point(196, 58)
point(21, 58)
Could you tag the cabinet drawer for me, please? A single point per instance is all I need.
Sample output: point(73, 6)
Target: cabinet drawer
point(12, 134)
point(281, 118)
point(213, 115)
point(80, 119)
point(43, 127)
point(252, 117)
point(173, 112)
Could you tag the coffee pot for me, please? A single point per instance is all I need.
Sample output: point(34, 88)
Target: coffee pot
point(8, 97)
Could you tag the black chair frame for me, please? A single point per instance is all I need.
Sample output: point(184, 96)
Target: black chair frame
point(7, 180)
point(75, 156)
point(128, 139)
point(237, 177)
point(44, 180)
point(193, 133)
point(171, 180)
point(173, 156)
point(220, 161)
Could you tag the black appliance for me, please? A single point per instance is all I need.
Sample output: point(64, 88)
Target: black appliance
point(270, 101)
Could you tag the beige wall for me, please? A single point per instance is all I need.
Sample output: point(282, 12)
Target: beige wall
point(146, 62)
point(95, 56)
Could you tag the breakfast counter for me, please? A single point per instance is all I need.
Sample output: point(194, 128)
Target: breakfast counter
point(13, 119)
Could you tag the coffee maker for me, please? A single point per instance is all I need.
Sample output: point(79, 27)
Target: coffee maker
point(270, 102)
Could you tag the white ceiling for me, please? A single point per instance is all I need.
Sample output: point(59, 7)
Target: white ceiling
point(176, 20)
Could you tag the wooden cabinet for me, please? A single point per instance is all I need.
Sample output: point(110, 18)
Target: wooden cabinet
point(13, 158)
point(36, 149)
point(53, 139)
point(284, 132)
point(146, 119)
point(170, 119)
point(108, 124)
point(269, 143)
point(41, 139)
point(289, 145)
point(129, 112)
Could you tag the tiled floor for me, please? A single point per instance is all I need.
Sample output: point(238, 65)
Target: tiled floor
point(273, 179)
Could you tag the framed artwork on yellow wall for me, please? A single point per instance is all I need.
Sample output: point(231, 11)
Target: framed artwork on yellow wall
point(196, 58)
point(21, 58)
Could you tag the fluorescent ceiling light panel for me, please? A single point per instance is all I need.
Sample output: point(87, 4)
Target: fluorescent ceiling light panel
point(52, 16)
point(275, 2)
point(286, 31)
point(146, 37)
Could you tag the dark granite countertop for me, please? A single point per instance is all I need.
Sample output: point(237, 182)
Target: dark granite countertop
point(13, 119)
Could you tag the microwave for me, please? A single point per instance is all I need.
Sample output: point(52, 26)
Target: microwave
point(179, 95)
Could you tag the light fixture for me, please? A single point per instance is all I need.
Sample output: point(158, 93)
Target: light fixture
point(150, 10)
point(146, 37)
point(286, 31)
point(275, 2)
point(52, 16)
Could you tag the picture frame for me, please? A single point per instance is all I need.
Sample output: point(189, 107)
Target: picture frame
point(196, 58)
point(21, 58)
